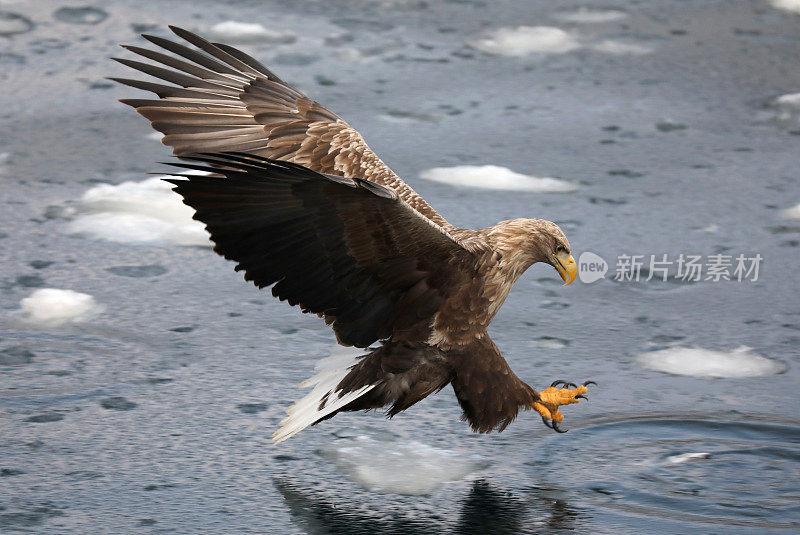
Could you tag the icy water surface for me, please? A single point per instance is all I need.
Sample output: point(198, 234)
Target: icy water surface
point(141, 378)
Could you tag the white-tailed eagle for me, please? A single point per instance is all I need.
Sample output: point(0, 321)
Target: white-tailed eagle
point(300, 202)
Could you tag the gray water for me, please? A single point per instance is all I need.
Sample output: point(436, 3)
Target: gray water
point(155, 415)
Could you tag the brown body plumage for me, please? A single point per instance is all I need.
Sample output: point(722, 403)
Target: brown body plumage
point(300, 202)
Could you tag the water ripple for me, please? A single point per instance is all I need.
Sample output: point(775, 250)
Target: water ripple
point(699, 471)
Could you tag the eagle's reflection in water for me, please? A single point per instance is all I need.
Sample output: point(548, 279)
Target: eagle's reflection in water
point(487, 509)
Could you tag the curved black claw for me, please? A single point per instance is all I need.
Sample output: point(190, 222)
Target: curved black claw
point(558, 382)
point(570, 385)
point(558, 429)
point(546, 422)
point(587, 383)
point(582, 397)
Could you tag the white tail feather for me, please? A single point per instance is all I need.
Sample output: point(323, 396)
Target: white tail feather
point(330, 372)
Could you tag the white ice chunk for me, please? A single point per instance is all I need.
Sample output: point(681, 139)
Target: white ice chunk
point(699, 362)
point(248, 32)
point(619, 48)
point(410, 468)
point(683, 457)
point(787, 5)
point(137, 212)
point(711, 229)
point(548, 342)
point(791, 100)
point(496, 177)
point(525, 40)
point(585, 15)
point(52, 306)
point(792, 213)
point(786, 110)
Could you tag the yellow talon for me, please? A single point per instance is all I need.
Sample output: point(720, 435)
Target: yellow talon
point(552, 398)
point(561, 396)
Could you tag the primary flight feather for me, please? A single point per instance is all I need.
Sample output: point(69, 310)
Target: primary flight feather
point(300, 202)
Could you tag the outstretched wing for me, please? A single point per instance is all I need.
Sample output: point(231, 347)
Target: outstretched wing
point(224, 100)
point(344, 248)
point(489, 392)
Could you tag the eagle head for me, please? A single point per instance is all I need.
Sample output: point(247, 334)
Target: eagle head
point(552, 247)
point(524, 242)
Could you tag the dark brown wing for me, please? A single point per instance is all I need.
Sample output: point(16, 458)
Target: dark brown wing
point(487, 389)
point(224, 100)
point(344, 248)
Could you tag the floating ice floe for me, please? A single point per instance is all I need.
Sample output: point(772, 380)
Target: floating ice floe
point(548, 342)
point(699, 362)
point(786, 110)
point(248, 32)
point(137, 212)
point(525, 40)
point(407, 117)
point(684, 457)
point(496, 177)
point(787, 5)
point(620, 48)
point(791, 213)
point(791, 100)
point(52, 306)
point(585, 15)
point(410, 468)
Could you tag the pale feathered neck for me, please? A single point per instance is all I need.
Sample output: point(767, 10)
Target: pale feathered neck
point(522, 242)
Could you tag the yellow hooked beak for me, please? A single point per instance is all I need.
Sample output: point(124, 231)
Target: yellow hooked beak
point(566, 267)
